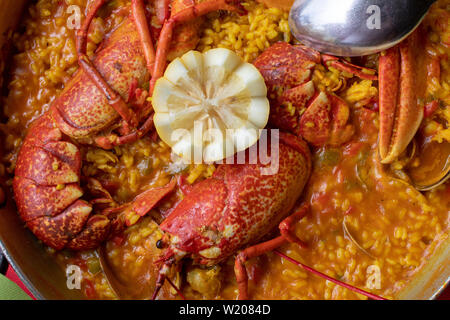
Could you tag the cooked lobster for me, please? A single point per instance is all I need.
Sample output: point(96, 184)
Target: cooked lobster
point(232, 210)
point(48, 170)
point(238, 205)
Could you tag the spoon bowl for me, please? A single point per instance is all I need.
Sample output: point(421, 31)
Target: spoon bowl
point(355, 27)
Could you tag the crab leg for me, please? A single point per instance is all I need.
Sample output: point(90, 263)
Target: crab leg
point(400, 90)
point(183, 16)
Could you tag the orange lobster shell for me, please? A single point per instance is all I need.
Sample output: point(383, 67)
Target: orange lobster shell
point(239, 204)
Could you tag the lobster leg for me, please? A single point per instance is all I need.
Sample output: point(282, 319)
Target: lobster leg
point(162, 276)
point(159, 284)
point(287, 235)
point(162, 10)
point(146, 127)
point(138, 10)
point(108, 142)
point(343, 65)
point(114, 99)
point(183, 16)
point(249, 253)
point(286, 226)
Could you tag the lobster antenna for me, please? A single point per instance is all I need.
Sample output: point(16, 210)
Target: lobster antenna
point(159, 284)
point(176, 288)
point(322, 275)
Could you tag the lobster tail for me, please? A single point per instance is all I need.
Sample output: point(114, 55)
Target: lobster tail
point(48, 193)
point(47, 190)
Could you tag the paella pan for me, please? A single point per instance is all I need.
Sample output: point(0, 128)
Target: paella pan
point(345, 195)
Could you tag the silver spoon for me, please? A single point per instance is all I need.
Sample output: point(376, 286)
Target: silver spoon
point(355, 27)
